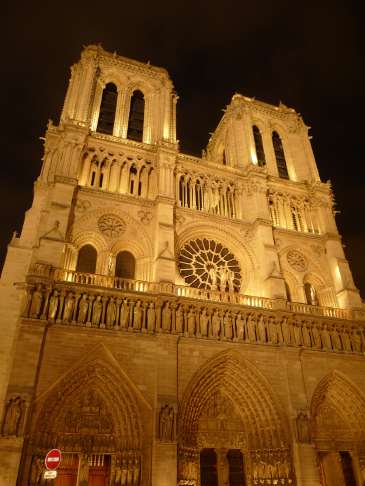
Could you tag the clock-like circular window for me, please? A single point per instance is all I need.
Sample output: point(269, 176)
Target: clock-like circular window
point(206, 264)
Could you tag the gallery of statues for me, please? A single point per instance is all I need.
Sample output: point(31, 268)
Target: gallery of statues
point(172, 320)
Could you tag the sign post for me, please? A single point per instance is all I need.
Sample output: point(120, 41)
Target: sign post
point(52, 461)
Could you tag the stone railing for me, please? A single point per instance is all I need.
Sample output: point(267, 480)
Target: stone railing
point(161, 309)
point(44, 272)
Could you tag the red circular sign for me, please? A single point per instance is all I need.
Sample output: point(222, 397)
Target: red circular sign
point(53, 459)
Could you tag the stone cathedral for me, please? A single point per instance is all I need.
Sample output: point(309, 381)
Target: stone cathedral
point(171, 320)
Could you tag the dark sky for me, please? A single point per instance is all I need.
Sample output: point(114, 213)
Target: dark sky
point(308, 55)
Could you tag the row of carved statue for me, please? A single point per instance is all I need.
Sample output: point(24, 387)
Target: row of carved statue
point(268, 466)
point(205, 321)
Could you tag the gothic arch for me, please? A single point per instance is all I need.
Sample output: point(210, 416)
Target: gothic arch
point(248, 390)
point(337, 411)
point(99, 397)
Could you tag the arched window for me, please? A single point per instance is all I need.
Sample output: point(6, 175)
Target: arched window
point(310, 294)
point(86, 259)
point(136, 117)
point(224, 159)
point(125, 265)
point(288, 294)
point(133, 179)
point(259, 146)
point(208, 468)
point(108, 108)
point(280, 156)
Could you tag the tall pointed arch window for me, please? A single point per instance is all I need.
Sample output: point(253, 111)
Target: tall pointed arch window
point(136, 117)
point(259, 146)
point(280, 156)
point(108, 108)
point(86, 259)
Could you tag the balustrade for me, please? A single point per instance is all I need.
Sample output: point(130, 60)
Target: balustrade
point(64, 303)
point(42, 272)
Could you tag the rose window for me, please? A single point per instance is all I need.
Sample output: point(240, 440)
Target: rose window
point(111, 225)
point(296, 260)
point(206, 264)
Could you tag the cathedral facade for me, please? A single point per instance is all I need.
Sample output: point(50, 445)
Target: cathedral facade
point(175, 320)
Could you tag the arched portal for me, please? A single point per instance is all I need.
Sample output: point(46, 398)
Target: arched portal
point(94, 418)
point(228, 408)
point(338, 428)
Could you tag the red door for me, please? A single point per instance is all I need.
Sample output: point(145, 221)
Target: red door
point(67, 472)
point(99, 470)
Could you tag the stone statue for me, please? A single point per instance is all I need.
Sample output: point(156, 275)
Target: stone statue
point(251, 328)
point(230, 277)
point(36, 303)
point(346, 343)
point(326, 339)
point(179, 322)
point(261, 329)
point(191, 323)
point(356, 340)
point(13, 415)
point(223, 277)
point(124, 474)
point(137, 315)
point(303, 428)
point(167, 416)
point(136, 469)
point(83, 308)
point(316, 336)
point(239, 327)
point(213, 278)
point(96, 314)
point(335, 338)
point(306, 335)
point(297, 331)
point(166, 317)
point(53, 306)
point(36, 471)
point(216, 324)
point(111, 313)
point(204, 319)
point(151, 317)
point(125, 314)
point(228, 328)
point(285, 329)
point(69, 307)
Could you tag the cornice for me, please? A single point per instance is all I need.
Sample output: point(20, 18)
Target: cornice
point(106, 195)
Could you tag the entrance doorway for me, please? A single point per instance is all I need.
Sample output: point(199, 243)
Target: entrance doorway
point(208, 468)
point(67, 472)
point(236, 471)
point(336, 469)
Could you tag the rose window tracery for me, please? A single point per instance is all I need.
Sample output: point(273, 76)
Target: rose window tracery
point(206, 264)
point(296, 260)
point(111, 225)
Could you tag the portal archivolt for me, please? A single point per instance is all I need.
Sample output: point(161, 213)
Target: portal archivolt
point(228, 408)
point(93, 416)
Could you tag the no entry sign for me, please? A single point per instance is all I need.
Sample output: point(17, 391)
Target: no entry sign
point(53, 459)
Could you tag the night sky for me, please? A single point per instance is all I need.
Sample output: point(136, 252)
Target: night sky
point(308, 55)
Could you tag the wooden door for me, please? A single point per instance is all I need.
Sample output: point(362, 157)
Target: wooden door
point(331, 469)
point(67, 472)
point(236, 471)
point(99, 470)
